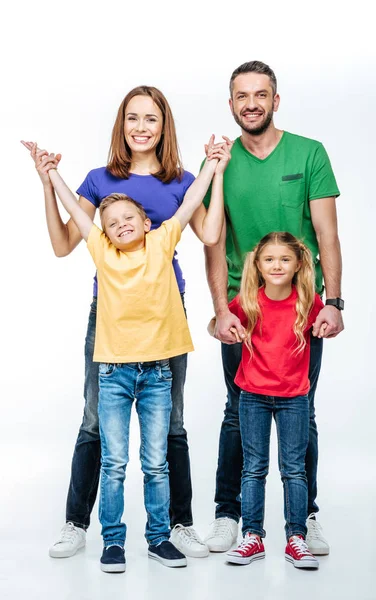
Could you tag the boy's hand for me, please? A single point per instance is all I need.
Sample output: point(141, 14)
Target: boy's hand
point(43, 161)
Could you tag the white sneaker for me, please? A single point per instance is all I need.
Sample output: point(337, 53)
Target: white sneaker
point(71, 539)
point(188, 542)
point(222, 535)
point(315, 540)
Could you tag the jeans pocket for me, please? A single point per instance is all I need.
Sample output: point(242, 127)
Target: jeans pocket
point(106, 369)
point(163, 370)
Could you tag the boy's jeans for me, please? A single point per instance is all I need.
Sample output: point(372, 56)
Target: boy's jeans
point(230, 456)
point(292, 421)
point(87, 452)
point(149, 385)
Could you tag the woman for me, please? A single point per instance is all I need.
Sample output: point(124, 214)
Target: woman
point(143, 163)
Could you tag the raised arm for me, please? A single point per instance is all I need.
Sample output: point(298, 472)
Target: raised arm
point(207, 224)
point(324, 220)
point(64, 236)
point(217, 273)
point(82, 220)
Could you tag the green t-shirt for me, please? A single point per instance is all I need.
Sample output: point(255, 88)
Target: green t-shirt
point(273, 194)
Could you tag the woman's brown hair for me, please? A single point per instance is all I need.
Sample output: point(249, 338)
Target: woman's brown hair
point(167, 150)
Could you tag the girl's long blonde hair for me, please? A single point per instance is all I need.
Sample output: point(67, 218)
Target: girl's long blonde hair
point(304, 280)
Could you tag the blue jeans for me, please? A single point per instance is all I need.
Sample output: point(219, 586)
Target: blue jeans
point(230, 455)
point(292, 421)
point(87, 452)
point(149, 385)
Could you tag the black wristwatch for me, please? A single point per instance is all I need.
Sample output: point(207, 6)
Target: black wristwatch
point(337, 302)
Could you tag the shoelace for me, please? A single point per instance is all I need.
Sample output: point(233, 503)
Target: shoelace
point(189, 535)
point(221, 527)
point(248, 542)
point(68, 533)
point(315, 530)
point(300, 546)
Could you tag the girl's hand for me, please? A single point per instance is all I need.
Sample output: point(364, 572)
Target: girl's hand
point(43, 161)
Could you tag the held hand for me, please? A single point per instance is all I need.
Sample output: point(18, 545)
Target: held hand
point(332, 318)
point(229, 142)
point(43, 161)
point(227, 329)
point(224, 156)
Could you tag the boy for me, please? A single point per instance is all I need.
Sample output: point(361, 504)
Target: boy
point(141, 323)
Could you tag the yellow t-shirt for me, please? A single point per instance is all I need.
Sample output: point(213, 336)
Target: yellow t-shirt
point(140, 313)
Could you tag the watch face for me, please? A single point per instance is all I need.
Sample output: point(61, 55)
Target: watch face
point(341, 304)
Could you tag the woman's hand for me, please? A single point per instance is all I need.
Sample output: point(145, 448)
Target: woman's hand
point(43, 161)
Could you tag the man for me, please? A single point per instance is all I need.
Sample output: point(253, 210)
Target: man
point(275, 181)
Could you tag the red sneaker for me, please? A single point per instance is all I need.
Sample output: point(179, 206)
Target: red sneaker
point(298, 554)
point(250, 549)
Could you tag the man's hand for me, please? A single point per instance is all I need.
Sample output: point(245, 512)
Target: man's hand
point(228, 329)
point(334, 323)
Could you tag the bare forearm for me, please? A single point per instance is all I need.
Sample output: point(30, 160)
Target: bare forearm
point(213, 220)
point(216, 274)
point(331, 263)
point(195, 194)
point(57, 229)
point(71, 205)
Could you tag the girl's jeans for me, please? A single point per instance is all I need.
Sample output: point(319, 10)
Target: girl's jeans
point(292, 421)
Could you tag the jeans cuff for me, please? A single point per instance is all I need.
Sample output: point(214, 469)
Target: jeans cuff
point(228, 516)
point(76, 524)
point(302, 532)
point(108, 543)
point(260, 532)
point(158, 540)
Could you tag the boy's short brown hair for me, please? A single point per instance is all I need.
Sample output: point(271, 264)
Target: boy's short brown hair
point(112, 198)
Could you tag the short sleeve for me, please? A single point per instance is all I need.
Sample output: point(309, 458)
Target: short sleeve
point(89, 190)
point(167, 236)
point(236, 309)
point(95, 244)
point(322, 181)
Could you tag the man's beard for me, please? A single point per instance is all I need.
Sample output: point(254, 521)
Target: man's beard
point(256, 130)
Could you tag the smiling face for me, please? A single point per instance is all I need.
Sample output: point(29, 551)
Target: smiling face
point(253, 102)
point(124, 226)
point(278, 264)
point(143, 124)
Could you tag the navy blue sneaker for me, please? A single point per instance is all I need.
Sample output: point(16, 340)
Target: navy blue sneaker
point(167, 554)
point(113, 559)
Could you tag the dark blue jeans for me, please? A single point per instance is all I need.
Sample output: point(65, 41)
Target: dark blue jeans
point(86, 460)
point(230, 455)
point(292, 421)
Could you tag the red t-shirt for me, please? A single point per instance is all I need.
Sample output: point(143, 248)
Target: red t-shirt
point(274, 369)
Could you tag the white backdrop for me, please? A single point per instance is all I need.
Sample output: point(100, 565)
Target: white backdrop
point(66, 68)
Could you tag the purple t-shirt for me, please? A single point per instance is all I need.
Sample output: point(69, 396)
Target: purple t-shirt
point(160, 200)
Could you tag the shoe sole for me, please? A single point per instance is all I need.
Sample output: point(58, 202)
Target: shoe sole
point(318, 551)
point(299, 564)
point(178, 562)
point(113, 568)
point(66, 553)
point(244, 560)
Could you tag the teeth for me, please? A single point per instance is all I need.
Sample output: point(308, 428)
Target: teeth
point(140, 139)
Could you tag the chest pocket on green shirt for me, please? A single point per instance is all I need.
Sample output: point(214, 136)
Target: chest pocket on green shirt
point(292, 192)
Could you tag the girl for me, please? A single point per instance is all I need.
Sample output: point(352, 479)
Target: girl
point(277, 306)
point(144, 164)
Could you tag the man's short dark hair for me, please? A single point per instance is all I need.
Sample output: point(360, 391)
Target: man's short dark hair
point(255, 66)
